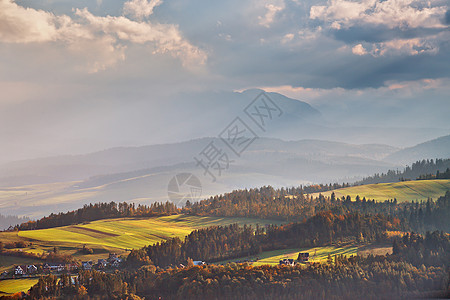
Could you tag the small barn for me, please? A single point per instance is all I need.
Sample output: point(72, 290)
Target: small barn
point(303, 256)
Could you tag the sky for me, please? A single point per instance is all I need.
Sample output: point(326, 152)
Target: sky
point(87, 75)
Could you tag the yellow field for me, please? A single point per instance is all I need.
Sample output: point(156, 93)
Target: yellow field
point(402, 191)
point(129, 233)
point(16, 285)
point(112, 235)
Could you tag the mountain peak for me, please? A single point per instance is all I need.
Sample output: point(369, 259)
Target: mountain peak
point(292, 108)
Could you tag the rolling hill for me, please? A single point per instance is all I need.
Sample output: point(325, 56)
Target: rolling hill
point(118, 235)
point(402, 191)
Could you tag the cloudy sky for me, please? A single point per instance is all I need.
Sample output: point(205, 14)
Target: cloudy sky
point(71, 71)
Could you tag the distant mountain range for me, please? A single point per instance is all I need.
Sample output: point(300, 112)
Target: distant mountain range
point(290, 151)
point(192, 115)
point(141, 174)
point(128, 159)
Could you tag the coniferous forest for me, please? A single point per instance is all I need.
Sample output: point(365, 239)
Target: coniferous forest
point(419, 265)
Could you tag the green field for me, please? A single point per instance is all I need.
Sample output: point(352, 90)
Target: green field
point(113, 235)
point(129, 233)
point(402, 191)
point(317, 254)
point(16, 285)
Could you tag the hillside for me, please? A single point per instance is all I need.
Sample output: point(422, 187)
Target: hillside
point(402, 191)
point(116, 235)
point(436, 148)
point(141, 174)
point(152, 158)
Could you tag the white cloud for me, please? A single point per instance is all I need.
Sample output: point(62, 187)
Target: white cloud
point(287, 38)
point(406, 46)
point(140, 9)
point(24, 25)
point(393, 14)
point(101, 40)
point(271, 11)
point(390, 13)
point(359, 50)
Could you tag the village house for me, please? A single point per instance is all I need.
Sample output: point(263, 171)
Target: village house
point(32, 269)
point(113, 260)
point(287, 262)
point(18, 270)
point(102, 263)
point(71, 267)
point(53, 268)
point(86, 265)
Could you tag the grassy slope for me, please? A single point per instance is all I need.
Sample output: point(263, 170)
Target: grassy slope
point(114, 235)
point(16, 285)
point(129, 233)
point(110, 235)
point(317, 254)
point(402, 191)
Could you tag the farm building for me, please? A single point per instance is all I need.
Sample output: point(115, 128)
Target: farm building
point(303, 256)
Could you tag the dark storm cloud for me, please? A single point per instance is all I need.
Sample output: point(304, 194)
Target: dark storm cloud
point(447, 17)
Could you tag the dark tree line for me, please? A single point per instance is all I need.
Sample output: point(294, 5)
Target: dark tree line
point(431, 249)
point(417, 170)
point(408, 273)
point(100, 211)
point(439, 175)
point(211, 244)
point(430, 215)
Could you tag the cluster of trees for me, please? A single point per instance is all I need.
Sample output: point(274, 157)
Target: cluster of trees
point(266, 202)
point(212, 244)
point(397, 276)
point(293, 205)
point(53, 256)
point(100, 211)
point(428, 215)
point(439, 175)
point(8, 221)
point(326, 228)
point(433, 249)
point(225, 242)
point(318, 188)
point(12, 245)
point(418, 169)
point(86, 285)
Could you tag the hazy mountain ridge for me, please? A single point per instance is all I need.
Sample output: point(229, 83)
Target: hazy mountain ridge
point(128, 159)
point(436, 148)
point(291, 152)
point(266, 162)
